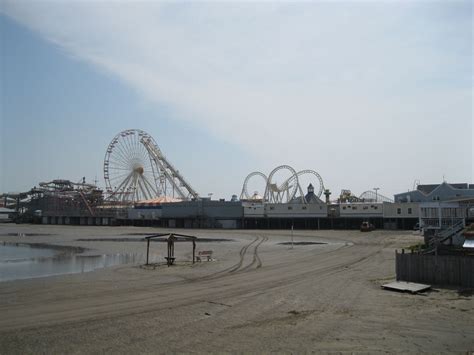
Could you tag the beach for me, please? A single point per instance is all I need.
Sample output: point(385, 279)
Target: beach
point(259, 293)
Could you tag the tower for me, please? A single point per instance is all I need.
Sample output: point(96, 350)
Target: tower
point(327, 193)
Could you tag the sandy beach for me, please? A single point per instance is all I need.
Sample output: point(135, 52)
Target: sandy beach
point(256, 295)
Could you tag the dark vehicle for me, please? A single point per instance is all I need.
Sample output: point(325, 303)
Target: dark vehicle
point(366, 227)
point(416, 227)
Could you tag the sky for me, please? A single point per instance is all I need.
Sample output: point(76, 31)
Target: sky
point(368, 94)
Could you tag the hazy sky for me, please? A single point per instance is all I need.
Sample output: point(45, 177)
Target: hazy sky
point(368, 94)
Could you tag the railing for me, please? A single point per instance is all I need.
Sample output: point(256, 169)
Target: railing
point(436, 223)
point(444, 235)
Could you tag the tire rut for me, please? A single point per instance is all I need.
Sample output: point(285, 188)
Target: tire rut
point(256, 258)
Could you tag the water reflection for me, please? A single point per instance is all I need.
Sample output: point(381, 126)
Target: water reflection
point(18, 252)
point(20, 262)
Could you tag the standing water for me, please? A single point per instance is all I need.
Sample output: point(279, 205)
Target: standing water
point(25, 261)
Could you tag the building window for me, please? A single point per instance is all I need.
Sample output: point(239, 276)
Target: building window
point(409, 211)
point(344, 207)
point(290, 208)
point(376, 207)
point(272, 208)
point(399, 211)
point(304, 207)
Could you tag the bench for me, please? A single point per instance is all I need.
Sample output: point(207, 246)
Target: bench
point(170, 261)
point(204, 254)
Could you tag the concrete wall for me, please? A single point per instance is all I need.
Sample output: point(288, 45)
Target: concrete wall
point(180, 210)
point(401, 210)
point(211, 209)
point(227, 223)
point(4, 217)
point(295, 210)
point(361, 209)
point(253, 209)
point(222, 210)
point(145, 213)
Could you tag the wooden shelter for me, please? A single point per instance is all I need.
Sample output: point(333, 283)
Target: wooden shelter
point(170, 238)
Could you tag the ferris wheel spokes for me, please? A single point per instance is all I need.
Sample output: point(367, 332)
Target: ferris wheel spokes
point(135, 169)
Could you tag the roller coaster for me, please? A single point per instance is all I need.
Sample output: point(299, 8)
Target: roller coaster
point(289, 190)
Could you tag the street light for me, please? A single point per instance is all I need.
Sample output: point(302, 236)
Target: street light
point(376, 195)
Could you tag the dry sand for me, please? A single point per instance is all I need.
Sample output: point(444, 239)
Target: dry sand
point(256, 296)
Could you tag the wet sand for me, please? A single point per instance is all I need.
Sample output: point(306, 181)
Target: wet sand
point(258, 295)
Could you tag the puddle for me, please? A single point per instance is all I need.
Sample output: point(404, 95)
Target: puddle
point(24, 234)
point(25, 261)
point(301, 243)
point(159, 240)
point(22, 252)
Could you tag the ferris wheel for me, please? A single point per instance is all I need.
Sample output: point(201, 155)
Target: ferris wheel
point(135, 169)
point(129, 172)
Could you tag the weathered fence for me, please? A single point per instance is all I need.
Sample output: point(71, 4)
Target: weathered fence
point(435, 269)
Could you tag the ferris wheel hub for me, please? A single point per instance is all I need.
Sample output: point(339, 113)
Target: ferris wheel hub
point(139, 170)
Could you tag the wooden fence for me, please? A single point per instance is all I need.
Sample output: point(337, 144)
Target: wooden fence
point(435, 269)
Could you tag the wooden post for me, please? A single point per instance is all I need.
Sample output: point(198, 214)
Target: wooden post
point(194, 251)
point(397, 266)
point(169, 251)
point(147, 250)
point(292, 236)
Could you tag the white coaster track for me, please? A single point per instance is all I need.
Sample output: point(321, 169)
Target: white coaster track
point(289, 190)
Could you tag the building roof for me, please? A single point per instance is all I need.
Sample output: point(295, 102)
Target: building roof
point(312, 198)
point(444, 192)
point(157, 201)
point(427, 189)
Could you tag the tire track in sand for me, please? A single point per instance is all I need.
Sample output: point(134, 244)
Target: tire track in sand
point(242, 253)
point(256, 258)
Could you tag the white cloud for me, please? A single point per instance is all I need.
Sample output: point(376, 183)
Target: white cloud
point(350, 90)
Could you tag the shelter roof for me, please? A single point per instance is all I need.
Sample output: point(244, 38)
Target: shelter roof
point(169, 236)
